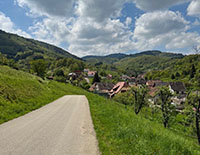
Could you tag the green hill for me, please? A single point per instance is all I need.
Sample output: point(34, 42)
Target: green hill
point(119, 130)
point(186, 69)
point(109, 59)
point(138, 63)
point(17, 47)
point(145, 61)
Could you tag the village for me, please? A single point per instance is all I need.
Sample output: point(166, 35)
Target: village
point(109, 89)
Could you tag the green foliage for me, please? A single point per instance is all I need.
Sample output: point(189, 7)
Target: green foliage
point(9, 62)
point(96, 78)
point(141, 63)
point(188, 68)
point(193, 100)
point(165, 104)
point(39, 67)
point(59, 72)
point(173, 77)
point(83, 84)
point(139, 98)
point(126, 98)
point(177, 74)
point(193, 71)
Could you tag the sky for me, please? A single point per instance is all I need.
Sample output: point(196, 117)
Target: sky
point(102, 27)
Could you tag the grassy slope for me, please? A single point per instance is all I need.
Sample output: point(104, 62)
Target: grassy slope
point(119, 130)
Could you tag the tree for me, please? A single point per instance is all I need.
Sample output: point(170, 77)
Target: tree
point(139, 98)
point(59, 72)
point(166, 107)
point(96, 78)
point(177, 74)
point(172, 76)
point(126, 98)
point(39, 67)
point(193, 99)
point(74, 67)
point(83, 84)
point(193, 71)
point(3, 59)
point(196, 49)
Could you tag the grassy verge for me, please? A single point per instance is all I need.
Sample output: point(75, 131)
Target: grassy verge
point(21, 93)
point(119, 130)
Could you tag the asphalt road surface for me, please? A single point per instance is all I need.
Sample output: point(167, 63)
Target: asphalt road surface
point(63, 127)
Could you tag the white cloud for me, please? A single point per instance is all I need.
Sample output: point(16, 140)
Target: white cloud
point(194, 8)
point(168, 29)
point(196, 23)
point(7, 25)
point(48, 7)
point(52, 30)
point(100, 10)
point(128, 21)
point(152, 5)
point(158, 23)
point(89, 37)
point(93, 27)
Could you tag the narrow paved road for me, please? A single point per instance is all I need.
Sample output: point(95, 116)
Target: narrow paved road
point(63, 127)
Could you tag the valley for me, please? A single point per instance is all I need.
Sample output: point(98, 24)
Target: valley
point(124, 93)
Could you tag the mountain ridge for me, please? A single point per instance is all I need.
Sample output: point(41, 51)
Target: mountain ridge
point(13, 45)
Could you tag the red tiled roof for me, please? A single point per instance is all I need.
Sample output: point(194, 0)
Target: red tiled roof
point(118, 87)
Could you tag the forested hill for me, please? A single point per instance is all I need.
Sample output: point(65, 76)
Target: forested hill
point(138, 63)
point(17, 47)
point(114, 58)
point(108, 59)
point(186, 70)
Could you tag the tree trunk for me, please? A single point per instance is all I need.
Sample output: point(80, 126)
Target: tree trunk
point(197, 122)
point(139, 108)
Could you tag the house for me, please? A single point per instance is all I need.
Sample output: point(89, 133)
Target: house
point(120, 87)
point(179, 101)
point(72, 76)
point(161, 84)
point(151, 83)
point(125, 77)
point(87, 80)
point(140, 81)
point(132, 81)
point(101, 88)
point(177, 87)
point(91, 73)
point(141, 76)
point(156, 83)
point(78, 73)
point(50, 77)
point(153, 86)
point(86, 70)
point(109, 76)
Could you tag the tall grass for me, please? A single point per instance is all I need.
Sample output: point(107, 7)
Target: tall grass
point(121, 132)
point(21, 93)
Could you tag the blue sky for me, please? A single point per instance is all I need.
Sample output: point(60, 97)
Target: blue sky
point(101, 27)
